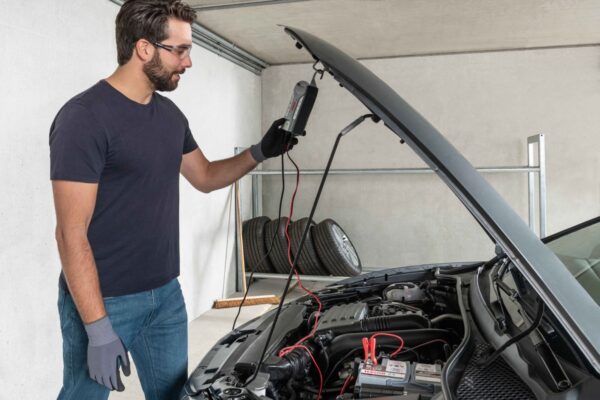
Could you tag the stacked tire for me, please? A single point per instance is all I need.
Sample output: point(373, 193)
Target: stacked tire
point(275, 234)
point(327, 249)
point(255, 251)
point(336, 250)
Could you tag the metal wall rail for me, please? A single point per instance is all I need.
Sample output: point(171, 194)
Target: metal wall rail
point(222, 47)
point(312, 278)
point(394, 171)
point(216, 5)
point(535, 144)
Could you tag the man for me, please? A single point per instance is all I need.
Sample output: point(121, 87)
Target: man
point(116, 153)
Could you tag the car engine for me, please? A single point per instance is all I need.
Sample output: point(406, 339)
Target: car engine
point(370, 340)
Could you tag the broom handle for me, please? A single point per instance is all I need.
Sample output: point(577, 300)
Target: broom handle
point(238, 221)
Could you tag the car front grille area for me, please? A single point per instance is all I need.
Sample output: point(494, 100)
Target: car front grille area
point(496, 382)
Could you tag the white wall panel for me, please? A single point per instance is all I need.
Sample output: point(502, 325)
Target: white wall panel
point(486, 104)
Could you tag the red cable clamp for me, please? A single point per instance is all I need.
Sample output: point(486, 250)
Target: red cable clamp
point(365, 343)
point(372, 345)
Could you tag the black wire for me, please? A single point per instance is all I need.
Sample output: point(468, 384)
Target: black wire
point(300, 247)
point(325, 390)
point(484, 362)
point(253, 268)
point(293, 256)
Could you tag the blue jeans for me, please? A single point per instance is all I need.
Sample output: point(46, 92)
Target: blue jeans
point(153, 328)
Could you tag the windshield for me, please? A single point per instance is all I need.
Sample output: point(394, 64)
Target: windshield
point(580, 252)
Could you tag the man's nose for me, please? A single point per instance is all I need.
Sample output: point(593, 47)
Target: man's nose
point(187, 62)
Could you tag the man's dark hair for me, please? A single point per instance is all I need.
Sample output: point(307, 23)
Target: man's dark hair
point(147, 19)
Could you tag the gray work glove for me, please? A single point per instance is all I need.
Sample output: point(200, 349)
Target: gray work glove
point(275, 142)
point(105, 353)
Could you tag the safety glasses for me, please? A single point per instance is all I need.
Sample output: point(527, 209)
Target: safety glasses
point(180, 51)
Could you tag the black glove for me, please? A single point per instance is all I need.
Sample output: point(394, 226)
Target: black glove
point(275, 142)
point(105, 353)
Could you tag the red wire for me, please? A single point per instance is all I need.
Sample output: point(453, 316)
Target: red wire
point(346, 383)
point(398, 350)
point(286, 350)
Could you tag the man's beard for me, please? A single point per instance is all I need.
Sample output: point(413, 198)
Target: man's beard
point(160, 78)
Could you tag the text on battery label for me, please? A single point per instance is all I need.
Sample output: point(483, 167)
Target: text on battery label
point(428, 368)
point(396, 366)
point(383, 373)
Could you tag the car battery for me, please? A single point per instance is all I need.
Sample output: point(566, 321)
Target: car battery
point(392, 377)
point(388, 378)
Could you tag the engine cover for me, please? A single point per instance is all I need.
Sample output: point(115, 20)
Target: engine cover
point(342, 315)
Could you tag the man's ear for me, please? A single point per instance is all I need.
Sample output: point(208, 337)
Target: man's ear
point(144, 50)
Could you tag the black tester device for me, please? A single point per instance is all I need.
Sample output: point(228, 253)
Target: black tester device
point(299, 108)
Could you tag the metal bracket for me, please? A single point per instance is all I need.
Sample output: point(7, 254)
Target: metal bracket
point(540, 140)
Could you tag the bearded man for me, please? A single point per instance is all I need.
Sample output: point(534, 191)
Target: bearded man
point(116, 152)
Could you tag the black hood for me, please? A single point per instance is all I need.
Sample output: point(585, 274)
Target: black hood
point(564, 296)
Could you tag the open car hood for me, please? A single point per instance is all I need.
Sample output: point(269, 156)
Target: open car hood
point(563, 295)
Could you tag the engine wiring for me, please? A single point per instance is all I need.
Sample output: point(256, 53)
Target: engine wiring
point(349, 379)
point(375, 335)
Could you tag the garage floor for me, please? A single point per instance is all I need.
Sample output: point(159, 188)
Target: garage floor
point(205, 330)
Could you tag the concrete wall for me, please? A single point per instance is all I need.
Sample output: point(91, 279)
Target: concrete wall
point(52, 50)
point(486, 104)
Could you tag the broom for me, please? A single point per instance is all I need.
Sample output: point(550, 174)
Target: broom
point(250, 300)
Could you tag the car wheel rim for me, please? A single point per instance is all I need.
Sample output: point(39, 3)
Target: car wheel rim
point(345, 245)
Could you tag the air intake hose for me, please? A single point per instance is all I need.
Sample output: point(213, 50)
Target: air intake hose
point(292, 365)
point(385, 323)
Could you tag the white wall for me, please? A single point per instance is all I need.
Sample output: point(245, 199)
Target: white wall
point(222, 103)
point(52, 50)
point(487, 105)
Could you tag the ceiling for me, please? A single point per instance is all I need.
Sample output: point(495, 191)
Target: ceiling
point(394, 28)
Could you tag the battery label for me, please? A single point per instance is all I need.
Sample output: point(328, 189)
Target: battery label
point(391, 369)
point(431, 373)
point(396, 366)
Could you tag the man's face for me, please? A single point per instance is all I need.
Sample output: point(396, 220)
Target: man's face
point(165, 67)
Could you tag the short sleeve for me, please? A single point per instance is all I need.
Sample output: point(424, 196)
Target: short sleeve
point(78, 145)
point(189, 144)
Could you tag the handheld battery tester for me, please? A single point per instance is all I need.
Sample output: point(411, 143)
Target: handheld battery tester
point(299, 108)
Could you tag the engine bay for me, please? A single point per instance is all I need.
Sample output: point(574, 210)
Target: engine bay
point(371, 340)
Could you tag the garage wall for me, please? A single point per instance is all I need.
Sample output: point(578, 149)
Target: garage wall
point(486, 104)
point(52, 50)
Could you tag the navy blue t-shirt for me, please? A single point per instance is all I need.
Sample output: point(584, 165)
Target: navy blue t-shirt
point(133, 151)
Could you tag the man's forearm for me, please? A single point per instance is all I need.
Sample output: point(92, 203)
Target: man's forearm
point(223, 173)
point(80, 272)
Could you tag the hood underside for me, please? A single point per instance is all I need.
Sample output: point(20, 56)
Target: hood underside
point(571, 305)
